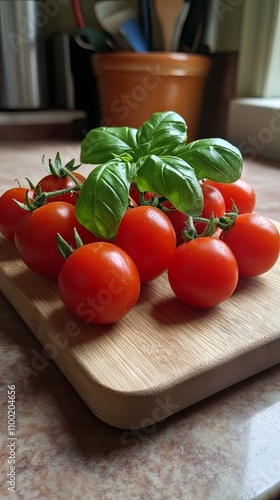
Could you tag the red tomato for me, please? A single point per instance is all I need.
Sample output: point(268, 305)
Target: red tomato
point(99, 283)
point(10, 212)
point(239, 191)
point(52, 183)
point(255, 242)
point(213, 202)
point(134, 194)
point(203, 272)
point(178, 220)
point(35, 236)
point(86, 235)
point(148, 236)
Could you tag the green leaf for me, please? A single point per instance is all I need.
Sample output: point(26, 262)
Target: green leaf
point(174, 179)
point(102, 144)
point(162, 134)
point(104, 198)
point(214, 159)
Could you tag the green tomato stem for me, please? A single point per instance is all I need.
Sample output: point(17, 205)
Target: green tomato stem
point(63, 246)
point(225, 223)
point(190, 233)
point(41, 198)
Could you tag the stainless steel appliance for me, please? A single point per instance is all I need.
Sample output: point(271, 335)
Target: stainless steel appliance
point(23, 74)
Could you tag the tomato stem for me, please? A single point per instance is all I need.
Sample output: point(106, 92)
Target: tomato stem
point(225, 222)
point(151, 202)
point(189, 233)
point(72, 176)
point(57, 169)
point(41, 198)
point(210, 226)
point(63, 246)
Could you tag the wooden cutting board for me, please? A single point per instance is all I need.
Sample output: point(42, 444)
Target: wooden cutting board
point(163, 356)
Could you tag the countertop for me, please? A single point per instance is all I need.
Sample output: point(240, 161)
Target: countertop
point(223, 448)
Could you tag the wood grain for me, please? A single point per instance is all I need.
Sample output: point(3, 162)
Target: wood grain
point(163, 356)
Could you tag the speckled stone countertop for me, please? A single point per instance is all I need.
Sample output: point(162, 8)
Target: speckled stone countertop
point(223, 448)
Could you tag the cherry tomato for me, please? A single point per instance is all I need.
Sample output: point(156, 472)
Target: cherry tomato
point(148, 236)
point(99, 283)
point(51, 183)
point(255, 242)
point(239, 191)
point(10, 212)
point(203, 272)
point(178, 220)
point(35, 236)
point(213, 202)
point(134, 194)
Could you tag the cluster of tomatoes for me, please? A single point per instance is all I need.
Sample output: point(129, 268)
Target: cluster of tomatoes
point(205, 271)
point(100, 281)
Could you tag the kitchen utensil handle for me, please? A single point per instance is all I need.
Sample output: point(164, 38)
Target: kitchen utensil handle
point(168, 12)
point(77, 12)
point(145, 21)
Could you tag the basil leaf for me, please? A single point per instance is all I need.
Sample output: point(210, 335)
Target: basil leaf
point(162, 134)
point(104, 198)
point(174, 179)
point(214, 159)
point(102, 144)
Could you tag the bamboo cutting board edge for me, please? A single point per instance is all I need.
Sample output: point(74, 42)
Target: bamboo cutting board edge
point(145, 408)
point(136, 407)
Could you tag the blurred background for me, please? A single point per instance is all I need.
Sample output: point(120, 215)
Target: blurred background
point(49, 88)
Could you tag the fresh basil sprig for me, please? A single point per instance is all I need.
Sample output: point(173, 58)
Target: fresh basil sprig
point(105, 197)
point(157, 158)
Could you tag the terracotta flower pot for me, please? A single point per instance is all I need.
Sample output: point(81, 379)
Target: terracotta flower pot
point(132, 86)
